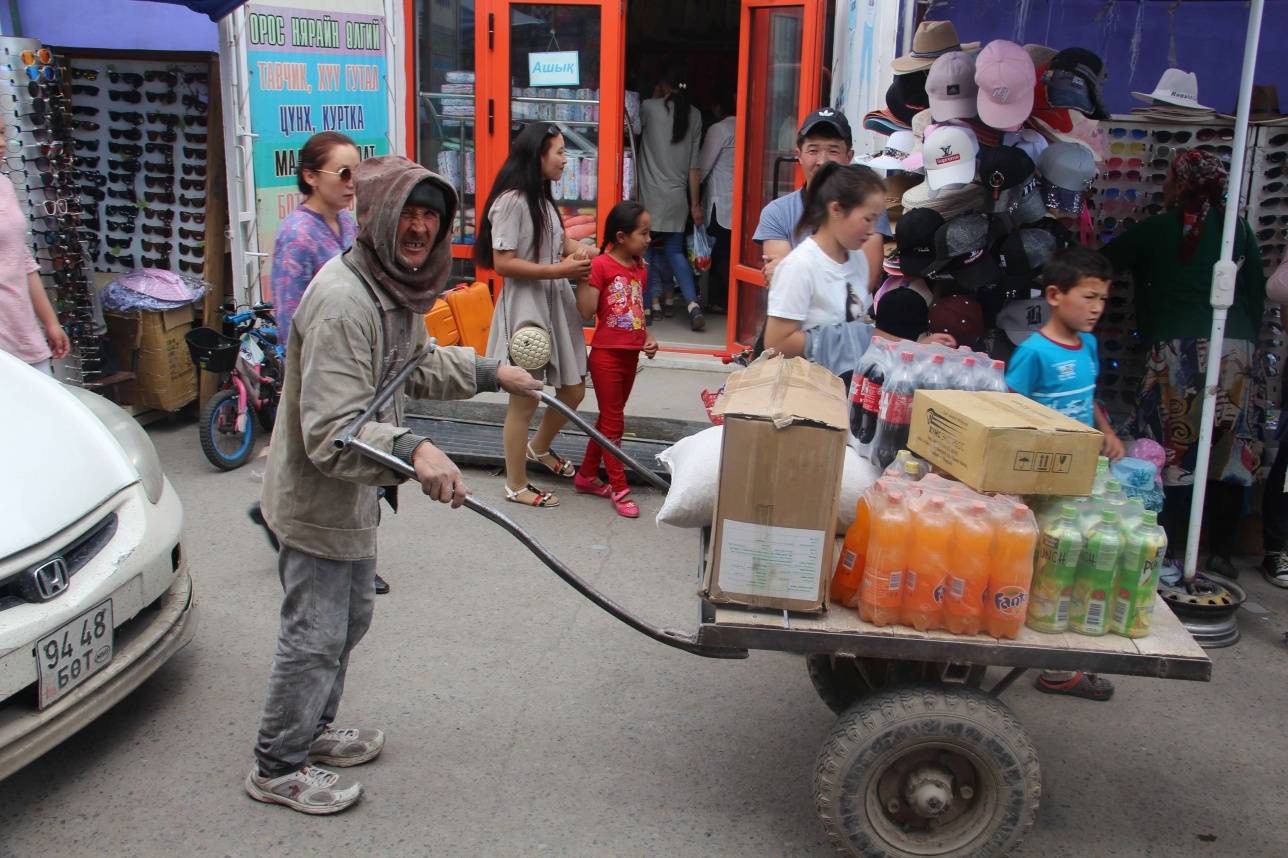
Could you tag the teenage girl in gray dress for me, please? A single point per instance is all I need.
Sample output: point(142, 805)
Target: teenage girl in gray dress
point(521, 238)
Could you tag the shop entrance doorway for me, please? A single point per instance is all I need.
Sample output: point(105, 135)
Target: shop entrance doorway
point(698, 44)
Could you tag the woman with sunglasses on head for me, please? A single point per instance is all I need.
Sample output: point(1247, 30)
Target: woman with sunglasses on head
point(320, 227)
point(521, 237)
point(29, 327)
point(1171, 256)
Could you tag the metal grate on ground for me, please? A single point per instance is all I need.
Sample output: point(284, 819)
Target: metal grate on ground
point(478, 444)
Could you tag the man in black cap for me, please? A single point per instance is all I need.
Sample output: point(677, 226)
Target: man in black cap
point(824, 136)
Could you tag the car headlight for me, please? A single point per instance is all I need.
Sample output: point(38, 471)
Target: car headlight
point(130, 435)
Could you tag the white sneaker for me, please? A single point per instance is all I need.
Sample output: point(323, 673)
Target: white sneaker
point(346, 747)
point(309, 790)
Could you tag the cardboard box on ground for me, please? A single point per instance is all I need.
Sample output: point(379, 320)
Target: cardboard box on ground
point(164, 374)
point(1004, 442)
point(781, 461)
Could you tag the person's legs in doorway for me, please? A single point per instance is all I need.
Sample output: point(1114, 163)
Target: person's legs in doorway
point(718, 277)
point(326, 609)
point(659, 281)
point(673, 247)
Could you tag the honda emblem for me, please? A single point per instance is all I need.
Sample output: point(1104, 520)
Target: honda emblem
point(50, 578)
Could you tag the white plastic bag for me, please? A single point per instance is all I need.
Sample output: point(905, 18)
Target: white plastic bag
point(699, 249)
point(694, 465)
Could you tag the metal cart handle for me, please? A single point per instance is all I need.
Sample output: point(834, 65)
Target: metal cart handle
point(671, 637)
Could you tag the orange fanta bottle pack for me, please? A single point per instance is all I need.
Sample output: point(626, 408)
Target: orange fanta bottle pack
point(932, 553)
point(1007, 602)
point(881, 591)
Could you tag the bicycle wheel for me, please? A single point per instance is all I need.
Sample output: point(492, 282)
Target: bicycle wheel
point(225, 446)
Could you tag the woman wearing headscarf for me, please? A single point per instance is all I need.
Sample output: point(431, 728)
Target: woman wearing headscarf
point(1171, 256)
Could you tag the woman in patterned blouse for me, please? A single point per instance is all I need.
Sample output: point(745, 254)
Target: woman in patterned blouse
point(320, 228)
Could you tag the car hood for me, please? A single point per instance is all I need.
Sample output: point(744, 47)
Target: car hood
point(57, 459)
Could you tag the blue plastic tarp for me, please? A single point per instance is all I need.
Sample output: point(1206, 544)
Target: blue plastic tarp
point(212, 9)
point(1138, 39)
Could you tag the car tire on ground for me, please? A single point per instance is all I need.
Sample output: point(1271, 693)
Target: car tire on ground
point(927, 770)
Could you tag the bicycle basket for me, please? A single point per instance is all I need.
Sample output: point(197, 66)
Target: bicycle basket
point(211, 350)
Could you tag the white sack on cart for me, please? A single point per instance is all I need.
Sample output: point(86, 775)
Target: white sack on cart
point(694, 465)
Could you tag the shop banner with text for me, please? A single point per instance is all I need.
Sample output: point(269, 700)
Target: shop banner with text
point(309, 71)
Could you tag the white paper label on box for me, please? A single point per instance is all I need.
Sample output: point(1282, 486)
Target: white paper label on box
point(763, 560)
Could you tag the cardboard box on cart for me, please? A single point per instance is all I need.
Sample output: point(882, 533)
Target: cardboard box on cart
point(1004, 442)
point(781, 459)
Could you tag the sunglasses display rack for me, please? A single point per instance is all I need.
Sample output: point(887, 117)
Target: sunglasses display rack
point(35, 104)
point(1130, 189)
point(140, 140)
point(1266, 196)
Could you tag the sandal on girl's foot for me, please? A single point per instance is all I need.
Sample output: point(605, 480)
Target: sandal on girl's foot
point(1087, 685)
point(590, 487)
point(626, 507)
point(561, 468)
point(530, 495)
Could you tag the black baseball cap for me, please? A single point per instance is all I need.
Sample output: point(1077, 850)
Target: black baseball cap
point(906, 96)
point(904, 313)
point(914, 236)
point(965, 236)
point(1074, 80)
point(833, 119)
point(1010, 178)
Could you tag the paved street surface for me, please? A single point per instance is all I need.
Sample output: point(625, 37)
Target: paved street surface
point(522, 721)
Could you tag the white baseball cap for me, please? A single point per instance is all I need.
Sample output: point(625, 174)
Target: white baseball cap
point(949, 157)
point(1023, 317)
point(900, 153)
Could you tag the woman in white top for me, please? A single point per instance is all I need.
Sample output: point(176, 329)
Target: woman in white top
point(823, 282)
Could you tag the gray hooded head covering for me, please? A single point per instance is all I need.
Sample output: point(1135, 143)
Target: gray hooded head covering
point(382, 186)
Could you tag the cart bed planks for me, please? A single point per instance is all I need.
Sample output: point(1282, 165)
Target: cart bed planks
point(1169, 653)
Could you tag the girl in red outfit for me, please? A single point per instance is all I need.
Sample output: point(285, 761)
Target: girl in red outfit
point(614, 297)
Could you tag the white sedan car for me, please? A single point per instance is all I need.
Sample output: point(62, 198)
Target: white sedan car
point(94, 590)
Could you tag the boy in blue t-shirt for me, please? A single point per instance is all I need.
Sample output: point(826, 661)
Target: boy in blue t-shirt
point(1058, 365)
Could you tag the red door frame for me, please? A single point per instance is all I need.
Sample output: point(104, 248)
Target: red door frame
point(751, 133)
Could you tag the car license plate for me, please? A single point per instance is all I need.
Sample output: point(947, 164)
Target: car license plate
point(74, 653)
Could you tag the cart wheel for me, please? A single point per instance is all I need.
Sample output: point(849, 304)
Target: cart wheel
point(927, 771)
point(837, 681)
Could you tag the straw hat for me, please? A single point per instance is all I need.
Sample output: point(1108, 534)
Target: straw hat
point(932, 40)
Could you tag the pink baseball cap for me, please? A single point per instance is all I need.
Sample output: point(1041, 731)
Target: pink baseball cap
point(1006, 77)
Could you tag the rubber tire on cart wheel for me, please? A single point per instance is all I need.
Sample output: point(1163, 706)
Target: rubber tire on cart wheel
point(960, 728)
point(837, 681)
point(205, 428)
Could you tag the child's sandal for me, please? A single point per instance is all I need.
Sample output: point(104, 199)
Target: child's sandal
point(626, 507)
point(539, 498)
point(590, 487)
point(561, 468)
